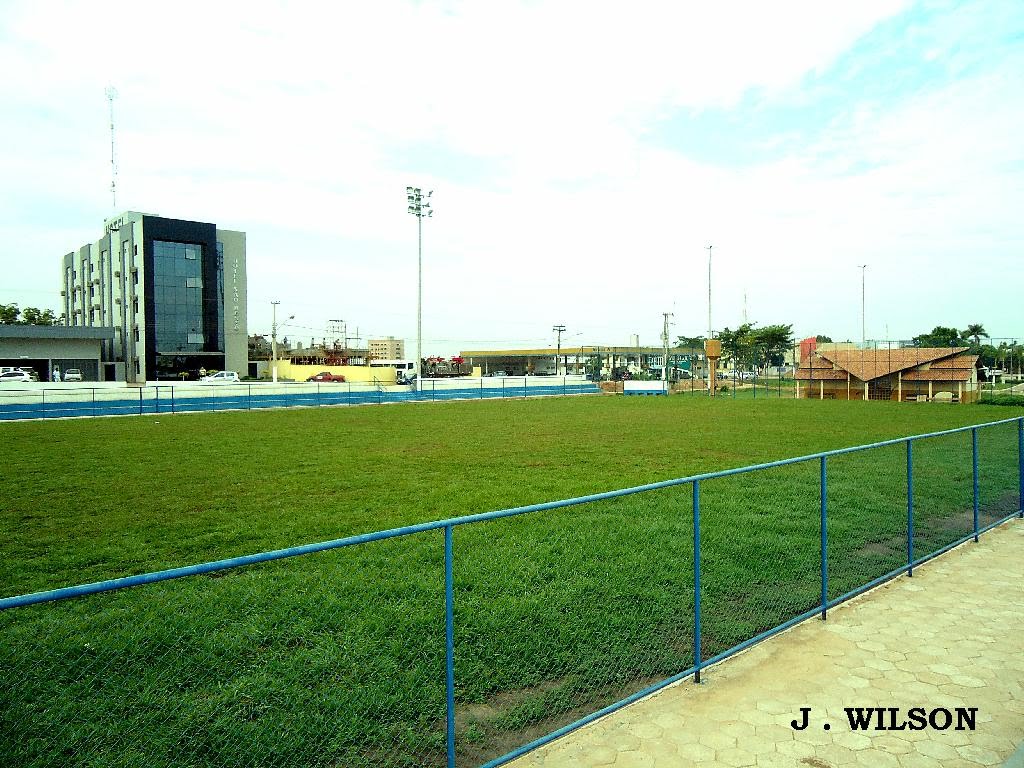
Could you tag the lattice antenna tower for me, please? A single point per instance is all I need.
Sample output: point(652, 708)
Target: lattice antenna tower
point(111, 95)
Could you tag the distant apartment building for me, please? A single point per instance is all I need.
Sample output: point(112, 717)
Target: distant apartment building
point(387, 349)
point(174, 291)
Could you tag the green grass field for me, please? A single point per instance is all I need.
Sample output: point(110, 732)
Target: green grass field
point(338, 658)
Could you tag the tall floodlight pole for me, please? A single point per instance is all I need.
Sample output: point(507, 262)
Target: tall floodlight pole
point(863, 332)
point(420, 208)
point(709, 360)
point(559, 329)
point(111, 94)
point(709, 291)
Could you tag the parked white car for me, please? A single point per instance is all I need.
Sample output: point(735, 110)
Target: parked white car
point(72, 374)
point(14, 376)
point(222, 377)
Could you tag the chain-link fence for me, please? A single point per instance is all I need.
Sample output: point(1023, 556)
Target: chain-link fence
point(774, 382)
point(464, 642)
point(63, 401)
point(335, 658)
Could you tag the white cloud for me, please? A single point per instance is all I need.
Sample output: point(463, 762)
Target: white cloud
point(303, 124)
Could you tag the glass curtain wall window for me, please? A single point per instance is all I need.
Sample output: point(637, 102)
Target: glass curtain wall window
point(178, 297)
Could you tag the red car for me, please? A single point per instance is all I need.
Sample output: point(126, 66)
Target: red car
point(327, 376)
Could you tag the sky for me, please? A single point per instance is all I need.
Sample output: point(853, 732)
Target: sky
point(582, 156)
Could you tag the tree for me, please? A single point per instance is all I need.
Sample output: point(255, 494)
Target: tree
point(822, 339)
point(9, 314)
point(773, 342)
point(751, 347)
point(975, 331)
point(738, 345)
point(690, 342)
point(939, 336)
point(36, 316)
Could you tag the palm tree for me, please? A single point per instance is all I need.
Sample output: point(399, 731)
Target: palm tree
point(976, 331)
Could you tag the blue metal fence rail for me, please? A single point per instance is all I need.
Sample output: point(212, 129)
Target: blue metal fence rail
point(695, 481)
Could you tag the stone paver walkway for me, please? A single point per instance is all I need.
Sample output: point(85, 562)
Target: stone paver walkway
point(952, 636)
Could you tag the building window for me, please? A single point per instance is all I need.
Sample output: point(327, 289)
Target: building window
point(179, 316)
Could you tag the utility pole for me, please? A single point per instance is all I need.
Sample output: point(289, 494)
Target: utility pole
point(559, 329)
point(273, 341)
point(664, 340)
point(420, 208)
point(863, 332)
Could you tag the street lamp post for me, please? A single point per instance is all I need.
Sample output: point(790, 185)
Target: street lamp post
point(419, 206)
point(559, 329)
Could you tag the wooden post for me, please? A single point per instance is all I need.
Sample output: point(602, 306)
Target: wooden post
point(712, 351)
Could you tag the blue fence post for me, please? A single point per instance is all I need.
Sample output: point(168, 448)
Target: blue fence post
point(248, 397)
point(1020, 465)
point(974, 461)
point(910, 508)
point(824, 542)
point(449, 641)
point(433, 390)
point(157, 401)
point(140, 401)
point(93, 401)
point(42, 402)
point(481, 387)
point(524, 388)
point(172, 398)
point(696, 582)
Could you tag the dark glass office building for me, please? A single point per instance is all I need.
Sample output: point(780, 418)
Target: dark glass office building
point(173, 290)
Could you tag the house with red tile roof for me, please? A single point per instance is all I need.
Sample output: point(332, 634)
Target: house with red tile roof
point(911, 374)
